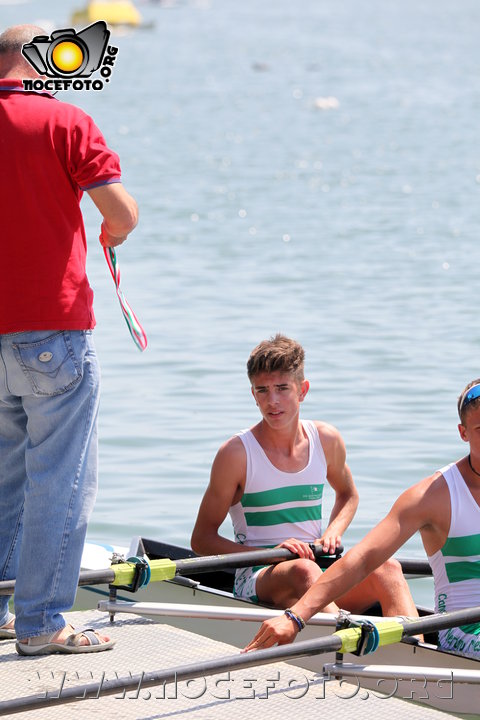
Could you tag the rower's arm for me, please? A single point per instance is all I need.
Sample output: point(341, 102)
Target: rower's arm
point(411, 512)
point(227, 480)
point(376, 547)
point(340, 479)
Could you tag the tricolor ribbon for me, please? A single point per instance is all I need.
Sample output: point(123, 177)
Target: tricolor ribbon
point(136, 330)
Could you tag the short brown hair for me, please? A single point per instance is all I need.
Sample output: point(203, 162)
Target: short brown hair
point(463, 407)
point(279, 354)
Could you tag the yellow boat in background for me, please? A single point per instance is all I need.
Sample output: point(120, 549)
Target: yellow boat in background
point(113, 12)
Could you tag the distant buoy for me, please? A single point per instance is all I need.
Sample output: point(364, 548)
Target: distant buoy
point(260, 66)
point(326, 103)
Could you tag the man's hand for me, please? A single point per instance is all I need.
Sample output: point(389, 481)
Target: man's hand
point(300, 548)
point(329, 542)
point(108, 240)
point(280, 630)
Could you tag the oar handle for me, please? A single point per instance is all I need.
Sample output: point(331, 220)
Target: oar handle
point(126, 574)
point(250, 558)
point(415, 567)
point(123, 574)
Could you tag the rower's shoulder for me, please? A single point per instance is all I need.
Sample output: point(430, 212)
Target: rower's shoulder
point(434, 483)
point(329, 435)
point(326, 430)
point(427, 495)
point(228, 471)
point(232, 448)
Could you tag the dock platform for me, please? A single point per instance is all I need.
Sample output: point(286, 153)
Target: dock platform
point(272, 692)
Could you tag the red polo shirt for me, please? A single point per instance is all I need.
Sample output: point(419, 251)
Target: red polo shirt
point(50, 152)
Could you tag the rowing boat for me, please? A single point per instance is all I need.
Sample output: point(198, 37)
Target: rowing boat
point(203, 603)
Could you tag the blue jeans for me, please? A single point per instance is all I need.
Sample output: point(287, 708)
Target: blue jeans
point(49, 393)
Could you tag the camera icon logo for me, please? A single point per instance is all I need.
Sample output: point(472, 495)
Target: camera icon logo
point(68, 54)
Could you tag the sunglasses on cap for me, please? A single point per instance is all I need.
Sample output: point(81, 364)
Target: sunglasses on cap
point(472, 394)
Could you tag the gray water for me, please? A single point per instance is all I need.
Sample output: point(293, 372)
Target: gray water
point(353, 228)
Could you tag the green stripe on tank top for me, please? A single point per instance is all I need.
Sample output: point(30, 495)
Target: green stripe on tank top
point(278, 496)
point(287, 515)
point(458, 571)
point(462, 546)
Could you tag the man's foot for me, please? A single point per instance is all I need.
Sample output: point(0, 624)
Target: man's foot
point(66, 640)
point(7, 631)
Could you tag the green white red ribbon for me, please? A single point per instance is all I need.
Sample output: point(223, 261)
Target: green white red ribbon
point(136, 330)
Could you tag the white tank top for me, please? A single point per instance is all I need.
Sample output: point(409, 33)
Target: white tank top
point(456, 566)
point(277, 505)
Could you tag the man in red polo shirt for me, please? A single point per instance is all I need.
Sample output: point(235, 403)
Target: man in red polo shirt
point(50, 152)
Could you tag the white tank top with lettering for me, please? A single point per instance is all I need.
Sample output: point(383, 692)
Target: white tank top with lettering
point(456, 566)
point(277, 505)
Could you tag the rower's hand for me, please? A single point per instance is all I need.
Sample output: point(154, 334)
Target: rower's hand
point(329, 542)
point(300, 548)
point(279, 630)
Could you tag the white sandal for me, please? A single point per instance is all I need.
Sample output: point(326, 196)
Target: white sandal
point(43, 645)
point(8, 633)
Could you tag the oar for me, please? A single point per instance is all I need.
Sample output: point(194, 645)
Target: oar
point(343, 641)
point(123, 574)
point(175, 674)
point(440, 621)
point(412, 566)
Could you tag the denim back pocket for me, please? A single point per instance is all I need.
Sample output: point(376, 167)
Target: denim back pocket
point(50, 364)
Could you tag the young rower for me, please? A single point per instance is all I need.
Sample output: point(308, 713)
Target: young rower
point(445, 508)
point(271, 480)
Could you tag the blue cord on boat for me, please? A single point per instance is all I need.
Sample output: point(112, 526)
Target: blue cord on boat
point(369, 639)
point(143, 572)
point(149, 575)
point(373, 640)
